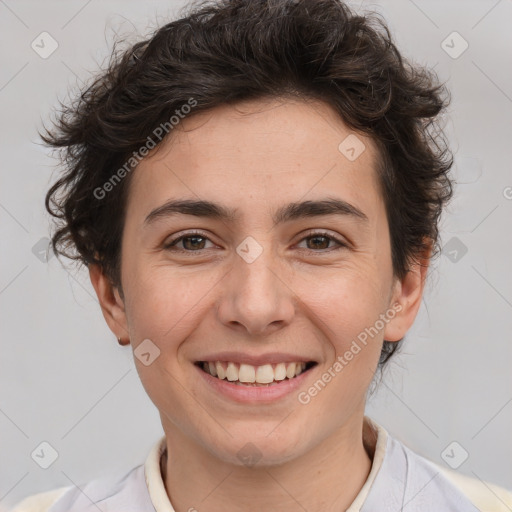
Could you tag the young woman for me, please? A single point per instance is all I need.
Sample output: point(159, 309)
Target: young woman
point(256, 192)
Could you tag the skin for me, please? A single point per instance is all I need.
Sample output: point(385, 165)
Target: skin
point(297, 297)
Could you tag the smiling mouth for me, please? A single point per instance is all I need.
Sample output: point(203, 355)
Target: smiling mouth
point(249, 375)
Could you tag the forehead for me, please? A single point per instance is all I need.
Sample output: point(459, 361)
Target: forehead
point(256, 153)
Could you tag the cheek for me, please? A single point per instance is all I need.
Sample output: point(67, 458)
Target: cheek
point(162, 307)
point(346, 299)
point(163, 301)
point(348, 313)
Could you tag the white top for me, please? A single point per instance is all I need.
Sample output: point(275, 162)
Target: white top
point(399, 480)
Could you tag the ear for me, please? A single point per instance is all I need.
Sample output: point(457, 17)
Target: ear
point(112, 305)
point(407, 293)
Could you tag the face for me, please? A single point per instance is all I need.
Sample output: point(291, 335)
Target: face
point(262, 288)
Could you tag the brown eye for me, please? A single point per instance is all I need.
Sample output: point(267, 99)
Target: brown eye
point(192, 242)
point(320, 242)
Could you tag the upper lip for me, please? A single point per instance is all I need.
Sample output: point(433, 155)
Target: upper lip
point(256, 360)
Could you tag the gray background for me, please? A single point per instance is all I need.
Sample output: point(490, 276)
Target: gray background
point(65, 380)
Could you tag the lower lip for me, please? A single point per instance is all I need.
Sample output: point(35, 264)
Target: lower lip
point(253, 394)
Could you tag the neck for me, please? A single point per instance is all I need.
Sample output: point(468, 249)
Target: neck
point(338, 466)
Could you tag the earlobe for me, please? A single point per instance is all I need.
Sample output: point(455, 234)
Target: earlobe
point(111, 303)
point(408, 293)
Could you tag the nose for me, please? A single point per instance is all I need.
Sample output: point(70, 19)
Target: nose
point(255, 298)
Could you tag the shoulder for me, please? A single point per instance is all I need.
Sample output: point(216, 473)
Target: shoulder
point(408, 481)
point(486, 496)
point(421, 485)
point(427, 483)
point(127, 492)
point(40, 502)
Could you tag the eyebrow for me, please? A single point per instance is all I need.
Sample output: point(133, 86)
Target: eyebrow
point(289, 212)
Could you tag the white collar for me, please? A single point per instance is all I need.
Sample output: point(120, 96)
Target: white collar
point(374, 439)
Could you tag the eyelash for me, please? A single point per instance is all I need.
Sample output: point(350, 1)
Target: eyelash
point(172, 243)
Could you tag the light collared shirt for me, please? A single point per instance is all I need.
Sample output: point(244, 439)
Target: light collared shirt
point(399, 481)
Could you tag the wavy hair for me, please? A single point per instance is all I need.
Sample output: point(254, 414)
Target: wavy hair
point(228, 51)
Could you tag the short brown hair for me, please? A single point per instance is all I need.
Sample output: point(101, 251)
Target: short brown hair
point(227, 51)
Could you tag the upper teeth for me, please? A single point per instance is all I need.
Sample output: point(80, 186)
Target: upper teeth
point(247, 373)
